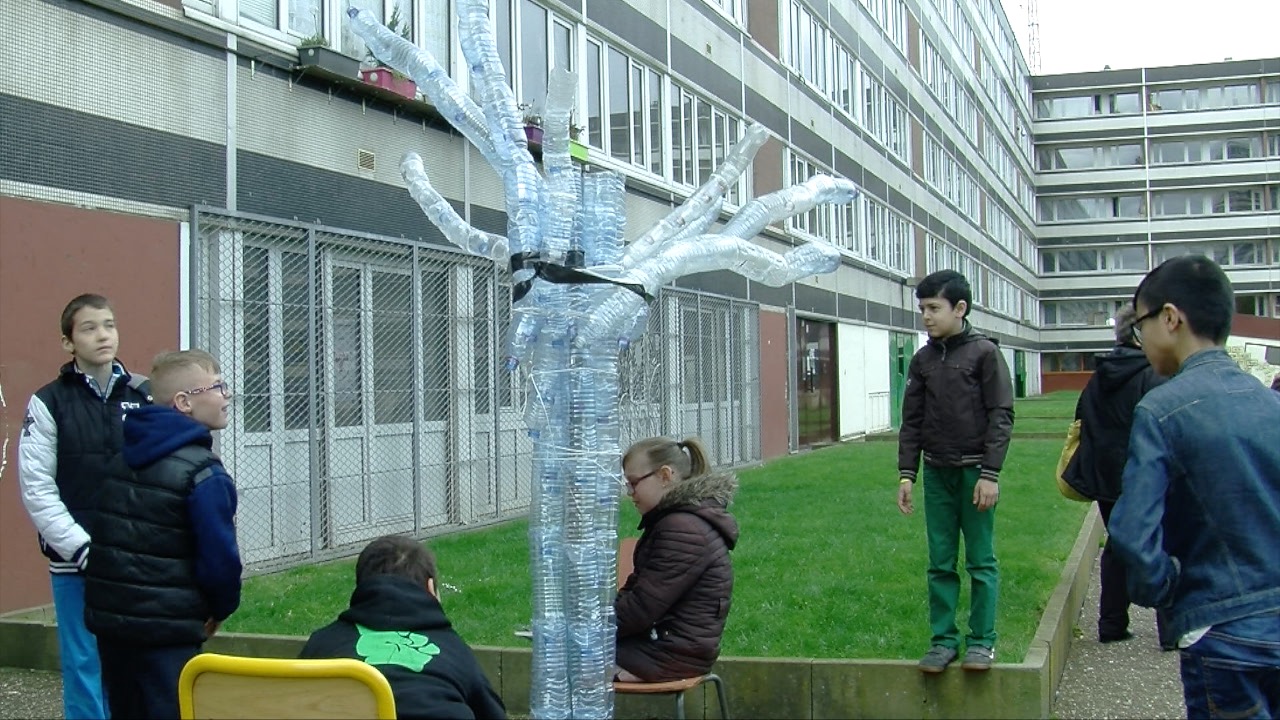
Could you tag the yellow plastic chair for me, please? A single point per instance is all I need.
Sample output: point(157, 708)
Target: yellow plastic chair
point(216, 687)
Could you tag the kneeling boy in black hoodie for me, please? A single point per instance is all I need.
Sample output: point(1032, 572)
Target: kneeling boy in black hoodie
point(396, 624)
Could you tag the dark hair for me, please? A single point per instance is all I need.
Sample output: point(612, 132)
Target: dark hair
point(78, 303)
point(687, 457)
point(396, 555)
point(948, 284)
point(1196, 286)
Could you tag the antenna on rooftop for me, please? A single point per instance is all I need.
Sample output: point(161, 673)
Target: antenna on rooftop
point(1033, 36)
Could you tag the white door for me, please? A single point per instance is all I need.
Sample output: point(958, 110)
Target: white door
point(269, 452)
point(368, 438)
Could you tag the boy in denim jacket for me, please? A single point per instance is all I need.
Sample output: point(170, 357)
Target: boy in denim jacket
point(1198, 519)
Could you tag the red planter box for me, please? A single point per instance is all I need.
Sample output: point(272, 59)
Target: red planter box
point(387, 80)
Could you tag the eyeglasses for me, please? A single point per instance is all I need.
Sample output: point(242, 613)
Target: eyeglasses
point(631, 484)
point(1137, 323)
point(222, 387)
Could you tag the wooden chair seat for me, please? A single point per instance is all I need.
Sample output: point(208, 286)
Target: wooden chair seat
point(671, 686)
point(677, 688)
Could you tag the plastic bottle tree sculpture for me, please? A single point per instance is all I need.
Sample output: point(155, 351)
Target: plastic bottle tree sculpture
point(580, 297)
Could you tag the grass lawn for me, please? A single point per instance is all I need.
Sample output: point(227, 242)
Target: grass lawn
point(826, 565)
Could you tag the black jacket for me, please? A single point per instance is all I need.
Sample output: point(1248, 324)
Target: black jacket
point(957, 407)
point(671, 612)
point(399, 628)
point(165, 559)
point(70, 445)
point(1105, 411)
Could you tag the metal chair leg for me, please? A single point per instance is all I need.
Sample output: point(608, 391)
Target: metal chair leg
point(724, 703)
point(679, 706)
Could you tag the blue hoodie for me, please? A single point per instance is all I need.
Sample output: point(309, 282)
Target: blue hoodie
point(152, 432)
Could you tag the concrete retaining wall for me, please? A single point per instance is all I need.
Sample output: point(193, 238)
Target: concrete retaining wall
point(757, 687)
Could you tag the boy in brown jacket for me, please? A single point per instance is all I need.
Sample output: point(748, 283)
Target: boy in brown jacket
point(958, 411)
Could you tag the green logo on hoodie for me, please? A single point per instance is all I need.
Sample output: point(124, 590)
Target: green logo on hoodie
point(390, 647)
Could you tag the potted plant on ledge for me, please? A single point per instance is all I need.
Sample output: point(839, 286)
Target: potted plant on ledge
point(532, 124)
point(384, 77)
point(314, 52)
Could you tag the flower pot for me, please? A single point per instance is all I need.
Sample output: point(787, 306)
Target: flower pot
point(387, 80)
point(533, 134)
point(318, 56)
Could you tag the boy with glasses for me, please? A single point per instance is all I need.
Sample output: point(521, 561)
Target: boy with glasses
point(1198, 519)
point(166, 568)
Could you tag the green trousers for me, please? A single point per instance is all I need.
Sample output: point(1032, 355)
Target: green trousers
point(948, 512)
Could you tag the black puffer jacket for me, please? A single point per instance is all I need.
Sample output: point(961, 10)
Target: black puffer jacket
point(1105, 412)
point(957, 407)
point(671, 611)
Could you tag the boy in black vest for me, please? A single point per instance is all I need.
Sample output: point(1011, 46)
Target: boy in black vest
point(70, 443)
point(396, 624)
point(166, 567)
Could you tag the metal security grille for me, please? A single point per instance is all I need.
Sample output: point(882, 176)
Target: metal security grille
point(370, 397)
point(696, 371)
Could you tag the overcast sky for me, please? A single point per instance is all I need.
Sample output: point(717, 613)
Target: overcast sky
point(1085, 35)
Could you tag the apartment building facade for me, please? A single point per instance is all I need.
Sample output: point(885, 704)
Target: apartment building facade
point(183, 158)
point(1137, 166)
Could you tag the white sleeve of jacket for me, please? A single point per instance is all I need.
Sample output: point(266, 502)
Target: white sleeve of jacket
point(37, 467)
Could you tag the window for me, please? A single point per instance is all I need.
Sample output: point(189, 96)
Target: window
point(1090, 207)
point(544, 42)
point(944, 173)
point(1242, 253)
point(1217, 149)
point(843, 75)
point(595, 95)
point(1082, 157)
point(702, 135)
point(805, 45)
point(1076, 106)
point(731, 8)
point(624, 114)
point(1089, 313)
point(391, 323)
point(346, 344)
point(1119, 258)
point(1207, 97)
point(1067, 362)
point(884, 116)
point(1066, 107)
point(890, 242)
point(816, 222)
point(944, 256)
point(891, 16)
point(1207, 201)
point(306, 18)
point(1251, 305)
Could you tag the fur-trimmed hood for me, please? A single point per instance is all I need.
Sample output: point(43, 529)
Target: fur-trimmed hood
point(707, 496)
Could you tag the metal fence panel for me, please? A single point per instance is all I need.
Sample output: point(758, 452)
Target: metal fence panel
point(370, 394)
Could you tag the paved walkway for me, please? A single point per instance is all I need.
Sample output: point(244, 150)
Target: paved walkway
point(1131, 679)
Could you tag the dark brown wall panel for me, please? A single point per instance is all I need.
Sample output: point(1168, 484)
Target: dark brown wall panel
point(48, 255)
point(774, 426)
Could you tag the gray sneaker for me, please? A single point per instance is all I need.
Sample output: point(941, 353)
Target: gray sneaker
point(937, 659)
point(978, 658)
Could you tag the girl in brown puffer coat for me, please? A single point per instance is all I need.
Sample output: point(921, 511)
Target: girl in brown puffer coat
point(672, 609)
